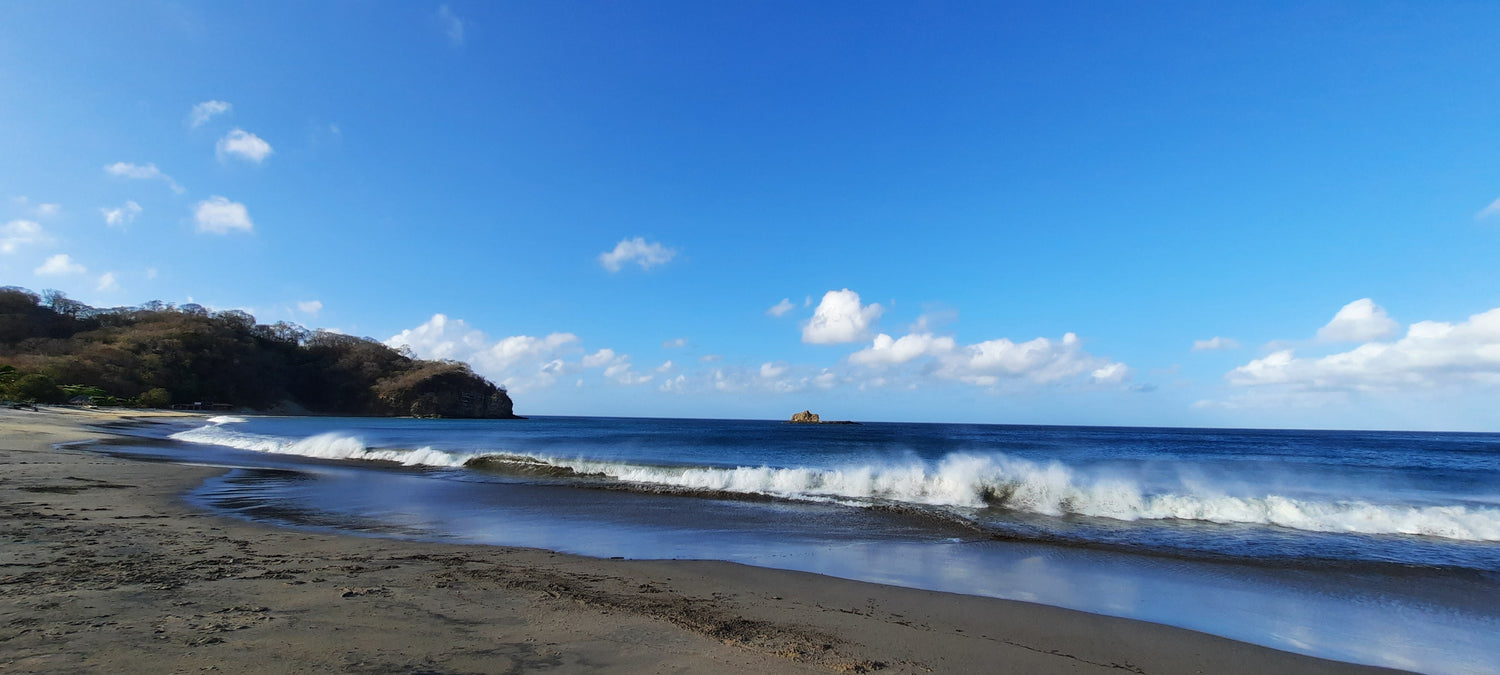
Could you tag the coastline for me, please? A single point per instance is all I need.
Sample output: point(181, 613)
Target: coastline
point(106, 567)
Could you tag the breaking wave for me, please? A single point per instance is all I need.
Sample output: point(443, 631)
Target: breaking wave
point(321, 446)
point(970, 481)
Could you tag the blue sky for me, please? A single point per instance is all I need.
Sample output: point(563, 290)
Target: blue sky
point(1049, 210)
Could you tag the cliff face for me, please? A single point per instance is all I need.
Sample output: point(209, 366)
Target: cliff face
point(444, 389)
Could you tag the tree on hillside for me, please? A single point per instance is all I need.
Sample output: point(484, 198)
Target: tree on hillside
point(155, 354)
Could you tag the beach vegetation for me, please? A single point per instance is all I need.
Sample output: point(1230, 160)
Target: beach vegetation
point(35, 388)
point(155, 397)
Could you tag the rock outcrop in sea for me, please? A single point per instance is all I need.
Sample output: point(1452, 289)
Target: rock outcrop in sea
point(810, 417)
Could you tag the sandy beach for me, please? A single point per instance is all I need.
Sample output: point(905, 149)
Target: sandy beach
point(104, 568)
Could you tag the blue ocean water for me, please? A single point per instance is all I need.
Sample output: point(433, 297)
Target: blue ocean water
point(1377, 547)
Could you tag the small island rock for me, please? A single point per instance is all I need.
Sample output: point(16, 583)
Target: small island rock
point(805, 417)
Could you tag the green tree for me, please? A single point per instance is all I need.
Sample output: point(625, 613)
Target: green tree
point(37, 387)
point(155, 398)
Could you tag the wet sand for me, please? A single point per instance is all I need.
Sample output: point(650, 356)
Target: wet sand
point(104, 568)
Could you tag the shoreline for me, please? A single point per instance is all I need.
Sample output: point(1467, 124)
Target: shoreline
point(106, 566)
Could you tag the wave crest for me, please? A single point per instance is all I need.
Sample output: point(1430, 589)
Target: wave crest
point(958, 480)
point(322, 446)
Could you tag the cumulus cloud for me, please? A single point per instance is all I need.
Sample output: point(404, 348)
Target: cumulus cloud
point(142, 172)
point(781, 308)
point(452, 26)
point(710, 358)
point(616, 367)
point(1489, 211)
point(244, 145)
point(674, 384)
point(889, 351)
point(106, 282)
point(598, 358)
point(519, 362)
point(988, 363)
point(1040, 360)
point(1215, 343)
point(121, 216)
point(622, 373)
point(310, 307)
point(1432, 354)
point(1110, 373)
point(47, 210)
point(221, 216)
point(207, 110)
point(774, 377)
point(638, 251)
point(1358, 321)
point(18, 233)
point(60, 265)
point(665, 366)
point(840, 318)
point(675, 343)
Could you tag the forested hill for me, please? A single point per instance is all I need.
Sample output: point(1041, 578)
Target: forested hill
point(54, 349)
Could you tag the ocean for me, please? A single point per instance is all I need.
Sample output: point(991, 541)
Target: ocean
point(1368, 546)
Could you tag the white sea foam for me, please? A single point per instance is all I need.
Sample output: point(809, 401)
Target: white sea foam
point(226, 419)
point(958, 480)
point(322, 446)
point(1055, 489)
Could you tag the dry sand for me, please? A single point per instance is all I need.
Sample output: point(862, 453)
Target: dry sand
point(103, 568)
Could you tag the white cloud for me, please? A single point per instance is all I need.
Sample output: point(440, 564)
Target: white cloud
point(122, 216)
point(1215, 343)
point(1040, 360)
point(107, 282)
point(47, 210)
point(310, 307)
point(664, 367)
point(142, 172)
point(888, 351)
point(1492, 210)
point(150, 272)
point(1110, 373)
point(988, 363)
point(616, 367)
point(710, 358)
point(840, 318)
point(452, 25)
point(519, 362)
point(781, 308)
point(1358, 321)
point(206, 110)
point(60, 265)
point(675, 384)
point(18, 233)
point(676, 343)
point(621, 372)
point(244, 145)
point(637, 251)
point(598, 358)
point(1432, 354)
point(774, 377)
point(219, 216)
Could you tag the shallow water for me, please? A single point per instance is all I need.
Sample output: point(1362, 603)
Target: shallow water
point(1374, 547)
